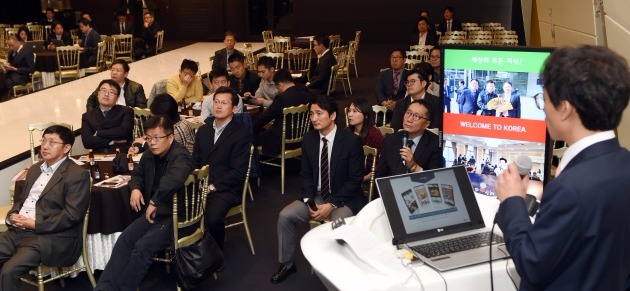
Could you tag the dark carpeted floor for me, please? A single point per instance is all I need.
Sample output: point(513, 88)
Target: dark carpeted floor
point(245, 271)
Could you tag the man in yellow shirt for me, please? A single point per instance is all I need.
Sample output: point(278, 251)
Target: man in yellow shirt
point(186, 86)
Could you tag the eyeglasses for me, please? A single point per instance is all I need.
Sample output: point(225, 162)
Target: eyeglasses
point(224, 103)
point(396, 57)
point(434, 57)
point(539, 99)
point(108, 92)
point(415, 116)
point(150, 139)
point(44, 142)
point(411, 82)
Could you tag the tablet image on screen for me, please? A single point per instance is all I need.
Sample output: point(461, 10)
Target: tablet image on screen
point(447, 194)
point(410, 201)
point(423, 196)
point(434, 192)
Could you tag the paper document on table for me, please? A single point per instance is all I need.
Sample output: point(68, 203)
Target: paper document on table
point(114, 182)
point(76, 161)
point(371, 250)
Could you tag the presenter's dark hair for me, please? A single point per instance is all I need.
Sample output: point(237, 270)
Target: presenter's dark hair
point(162, 121)
point(64, 133)
point(326, 103)
point(593, 79)
point(189, 64)
point(165, 104)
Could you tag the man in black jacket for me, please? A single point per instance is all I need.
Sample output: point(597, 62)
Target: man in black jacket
point(318, 84)
point(132, 92)
point(242, 80)
point(90, 40)
point(148, 33)
point(17, 71)
point(417, 83)
point(159, 175)
point(221, 56)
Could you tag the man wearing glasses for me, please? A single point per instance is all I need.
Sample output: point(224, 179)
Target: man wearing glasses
point(160, 174)
point(132, 92)
point(45, 221)
point(109, 126)
point(421, 151)
point(218, 78)
point(390, 86)
point(223, 144)
point(318, 84)
point(417, 83)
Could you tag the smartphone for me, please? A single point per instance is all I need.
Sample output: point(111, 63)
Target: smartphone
point(311, 204)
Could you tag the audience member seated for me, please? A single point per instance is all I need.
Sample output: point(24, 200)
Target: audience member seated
point(132, 92)
point(449, 24)
point(318, 84)
point(242, 80)
point(218, 78)
point(165, 105)
point(223, 144)
point(361, 123)
point(58, 33)
point(221, 56)
point(433, 88)
point(89, 18)
point(121, 25)
point(267, 90)
point(390, 86)
point(44, 224)
point(425, 14)
point(186, 86)
point(424, 36)
point(148, 34)
point(159, 175)
point(111, 125)
point(24, 34)
point(17, 70)
point(90, 40)
point(417, 83)
point(290, 94)
point(50, 17)
point(435, 57)
point(330, 196)
point(422, 151)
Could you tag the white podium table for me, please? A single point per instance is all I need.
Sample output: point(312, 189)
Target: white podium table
point(340, 269)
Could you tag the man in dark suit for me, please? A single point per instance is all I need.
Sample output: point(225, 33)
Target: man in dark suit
point(449, 24)
point(111, 125)
point(46, 220)
point(422, 150)
point(465, 98)
point(514, 98)
point(148, 34)
point(133, 92)
point(223, 144)
point(242, 80)
point(484, 97)
point(290, 95)
point(580, 239)
point(221, 56)
point(21, 64)
point(318, 84)
point(90, 38)
point(390, 86)
point(50, 17)
point(332, 171)
point(417, 83)
point(448, 92)
point(121, 25)
point(425, 36)
point(159, 175)
point(58, 34)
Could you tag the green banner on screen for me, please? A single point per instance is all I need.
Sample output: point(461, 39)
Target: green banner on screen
point(510, 61)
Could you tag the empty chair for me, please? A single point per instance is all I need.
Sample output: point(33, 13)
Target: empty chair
point(280, 44)
point(241, 209)
point(267, 36)
point(277, 57)
point(67, 62)
point(378, 110)
point(470, 24)
point(332, 81)
point(37, 32)
point(100, 60)
point(341, 54)
point(123, 46)
point(451, 41)
point(421, 55)
point(456, 33)
point(508, 42)
point(299, 61)
point(479, 41)
point(490, 24)
point(425, 48)
point(140, 115)
point(335, 41)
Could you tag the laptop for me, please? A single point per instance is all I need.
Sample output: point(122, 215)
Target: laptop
point(435, 215)
point(37, 45)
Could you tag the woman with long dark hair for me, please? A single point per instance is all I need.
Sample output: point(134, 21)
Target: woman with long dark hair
point(23, 34)
point(361, 122)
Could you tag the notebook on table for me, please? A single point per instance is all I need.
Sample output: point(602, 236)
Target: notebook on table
point(435, 215)
point(37, 45)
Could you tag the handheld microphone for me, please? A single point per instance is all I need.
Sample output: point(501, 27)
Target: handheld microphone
point(524, 165)
point(405, 138)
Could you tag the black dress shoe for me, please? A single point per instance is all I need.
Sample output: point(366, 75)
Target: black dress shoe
point(282, 273)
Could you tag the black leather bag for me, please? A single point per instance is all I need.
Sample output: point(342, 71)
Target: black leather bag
point(196, 262)
point(119, 164)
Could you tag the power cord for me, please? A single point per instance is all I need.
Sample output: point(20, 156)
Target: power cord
point(507, 262)
point(490, 261)
point(417, 277)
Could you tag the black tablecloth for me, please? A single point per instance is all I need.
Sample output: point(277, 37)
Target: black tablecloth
point(47, 61)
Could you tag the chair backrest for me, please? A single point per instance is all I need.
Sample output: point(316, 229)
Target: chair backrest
point(421, 55)
point(123, 46)
point(385, 130)
point(470, 29)
point(250, 61)
point(332, 81)
point(456, 33)
point(335, 41)
point(340, 54)
point(267, 35)
point(158, 88)
point(68, 58)
point(370, 155)
point(508, 42)
point(140, 115)
point(195, 191)
point(410, 63)
point(379, 109)
point(40, 127)
point(237, 210)
point(295, 123)
point(470, 24)
point(357, 38)
point(277, 57)
point(159, 41)
point(280, 44)
point(37, 32)
point(417, 47)
point(110, 49)
point(434, 130)
point(100, 56)
point(299, 60)
point(451, 41)
point(479, 41)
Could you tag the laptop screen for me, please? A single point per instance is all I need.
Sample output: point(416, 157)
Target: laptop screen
point(493, 117)
point(429, 204)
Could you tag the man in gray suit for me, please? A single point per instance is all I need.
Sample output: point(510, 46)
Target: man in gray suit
point(46, 220)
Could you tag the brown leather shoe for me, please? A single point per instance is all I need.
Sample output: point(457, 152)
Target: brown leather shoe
point(282, 273)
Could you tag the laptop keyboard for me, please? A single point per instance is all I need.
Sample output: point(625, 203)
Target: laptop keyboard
point(458, 244)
